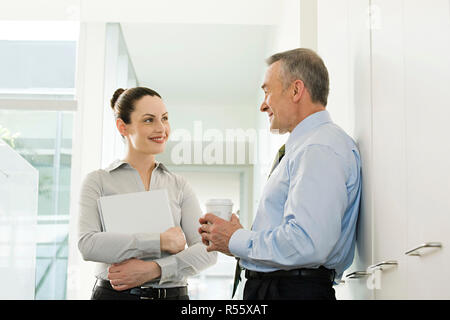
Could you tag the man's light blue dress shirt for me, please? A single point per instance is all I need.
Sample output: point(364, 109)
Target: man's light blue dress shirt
point(309, 207)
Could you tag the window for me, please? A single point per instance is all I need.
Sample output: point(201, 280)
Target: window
point(37, 88)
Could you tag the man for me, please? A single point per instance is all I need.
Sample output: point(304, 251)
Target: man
point(303, 235)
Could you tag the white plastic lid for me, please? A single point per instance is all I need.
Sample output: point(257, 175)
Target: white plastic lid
point(219, 202)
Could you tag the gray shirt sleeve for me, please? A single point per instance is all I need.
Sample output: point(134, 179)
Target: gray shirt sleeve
point(195, 258)
point(108, 247)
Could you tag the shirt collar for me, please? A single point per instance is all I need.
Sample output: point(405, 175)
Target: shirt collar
point(119, 163)
point(312, 121)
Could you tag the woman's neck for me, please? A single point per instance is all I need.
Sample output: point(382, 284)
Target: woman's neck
point(143, 163)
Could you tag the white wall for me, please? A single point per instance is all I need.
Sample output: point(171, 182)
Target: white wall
point(40, 10)
point(194, 11)
point(212, 117)
point(334, 40)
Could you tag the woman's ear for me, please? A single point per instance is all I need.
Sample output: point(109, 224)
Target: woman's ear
point(298, 90)
point(122, 127)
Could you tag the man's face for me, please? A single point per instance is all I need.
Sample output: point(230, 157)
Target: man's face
point(276, 100)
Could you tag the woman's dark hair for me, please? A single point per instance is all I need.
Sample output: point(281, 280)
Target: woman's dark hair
point(122, 101)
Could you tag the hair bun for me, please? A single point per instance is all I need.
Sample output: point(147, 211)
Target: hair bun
point(116, 96)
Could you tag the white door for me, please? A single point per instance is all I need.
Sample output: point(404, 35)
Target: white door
point(389, 172)
point(359, 98)
point(427, 96)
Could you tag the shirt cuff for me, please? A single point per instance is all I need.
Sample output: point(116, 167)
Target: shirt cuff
point(240, 242)
point(168, 268)
point(149, 244)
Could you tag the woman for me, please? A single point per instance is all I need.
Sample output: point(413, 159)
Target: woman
point(141, 266)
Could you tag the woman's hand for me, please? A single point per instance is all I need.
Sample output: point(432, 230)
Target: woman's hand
point(132, 273)
point(173, 240)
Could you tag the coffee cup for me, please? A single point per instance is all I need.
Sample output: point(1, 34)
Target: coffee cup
point(220, 207)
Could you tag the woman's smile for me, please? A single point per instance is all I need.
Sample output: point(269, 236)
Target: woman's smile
point(159, 139)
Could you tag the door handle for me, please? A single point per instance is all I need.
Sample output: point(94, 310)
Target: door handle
point(413, 251)
point(381, 264)
point(357, 275)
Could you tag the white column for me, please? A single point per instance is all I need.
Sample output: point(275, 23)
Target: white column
point(87, 144)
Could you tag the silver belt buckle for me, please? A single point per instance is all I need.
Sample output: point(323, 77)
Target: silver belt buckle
point(164, 295)
point(145, 298)
point(159, 293)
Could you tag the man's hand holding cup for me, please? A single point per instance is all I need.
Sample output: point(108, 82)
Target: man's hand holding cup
point(218, 225)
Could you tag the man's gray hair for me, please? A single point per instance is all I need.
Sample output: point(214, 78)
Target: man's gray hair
point(306, 65)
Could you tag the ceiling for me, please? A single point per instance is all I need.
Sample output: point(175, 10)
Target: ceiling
point(200, 64)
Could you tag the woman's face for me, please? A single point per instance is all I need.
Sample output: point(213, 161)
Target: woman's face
point(149, 128)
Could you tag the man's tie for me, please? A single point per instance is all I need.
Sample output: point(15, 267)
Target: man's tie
point(237, 273)
point(277, 159)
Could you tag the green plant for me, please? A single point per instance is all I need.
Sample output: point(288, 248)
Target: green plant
point(9, 138)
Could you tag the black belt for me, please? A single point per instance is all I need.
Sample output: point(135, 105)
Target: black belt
point(144, 292)
point(320, 272)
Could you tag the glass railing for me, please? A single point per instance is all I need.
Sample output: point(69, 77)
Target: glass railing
point(44, 139)
point(18, 222)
